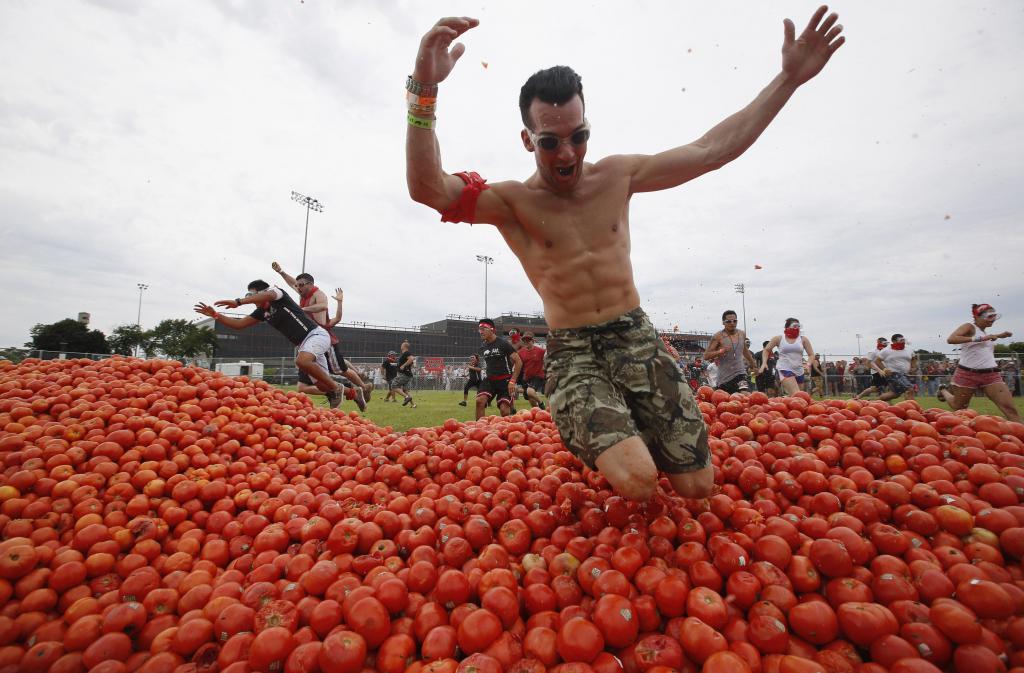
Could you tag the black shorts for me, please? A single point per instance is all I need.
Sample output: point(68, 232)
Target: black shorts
point(877, 380)
point(740, 384)
point(470, 384)
point(765, 381)
point(535, 382)
point(496, 389)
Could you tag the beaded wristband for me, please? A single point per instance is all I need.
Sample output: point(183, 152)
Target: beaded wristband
point(420, 89)
point(420, 122)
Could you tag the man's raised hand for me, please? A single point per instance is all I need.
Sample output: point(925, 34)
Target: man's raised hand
point(804, 57)
point(339, 294)
point(206, 310)
point(434, 61)
point(276, 267)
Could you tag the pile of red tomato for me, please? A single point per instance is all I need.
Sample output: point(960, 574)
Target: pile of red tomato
point(159, 518)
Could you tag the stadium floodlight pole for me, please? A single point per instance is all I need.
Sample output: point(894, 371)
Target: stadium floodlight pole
point(138, 318)
point(858, 344)
point(487, 262)
point(311, 204)
point(742, 290)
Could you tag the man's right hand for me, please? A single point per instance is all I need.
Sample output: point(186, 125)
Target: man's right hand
point(276, 267)
point(434, 62)
point(205, 309)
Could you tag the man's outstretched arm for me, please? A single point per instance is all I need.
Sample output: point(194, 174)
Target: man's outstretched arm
point(284, 274)
point(802, 59)
point(428, 183)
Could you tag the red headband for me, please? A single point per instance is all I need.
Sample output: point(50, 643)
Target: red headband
point(981, 308)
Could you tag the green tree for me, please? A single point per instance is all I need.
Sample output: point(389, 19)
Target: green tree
point(125, 339)
point(1014, 347)
point(68, 335)
point(15, 355)
point(178, 338)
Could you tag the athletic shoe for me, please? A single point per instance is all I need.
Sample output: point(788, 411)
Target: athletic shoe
point(407, 400)
point(368, 391)
point(335, 397)
point(462, 403)
point(359, 399)
point(542, 406)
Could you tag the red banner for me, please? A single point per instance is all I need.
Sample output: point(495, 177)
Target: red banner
point(433, 364)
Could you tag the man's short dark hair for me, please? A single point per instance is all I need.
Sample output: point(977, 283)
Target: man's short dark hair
point(556, 86)
point(487, 321)
point(790, 321)
point(305, 276)
point(896, 337)
point(728, 313)
point(764, 344)
point(258, 285)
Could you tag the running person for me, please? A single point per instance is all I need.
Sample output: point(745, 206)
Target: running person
point(403, 381)
point(473, 377)
point(977, 367)
point(618, 399)
point(389, 368)
point(896, 364)
point(501, 369)
point(790, 364)
point(532, 376)
point(877, 378)
point(729, 350)
point(315, 358)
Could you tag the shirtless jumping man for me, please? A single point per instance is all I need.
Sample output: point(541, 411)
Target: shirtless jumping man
point(619, 400)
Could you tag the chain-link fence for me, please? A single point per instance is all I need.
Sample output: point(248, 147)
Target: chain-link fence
point(843, 375)
point(850, 375)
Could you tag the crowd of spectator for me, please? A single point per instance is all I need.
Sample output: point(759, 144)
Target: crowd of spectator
point(852, 377)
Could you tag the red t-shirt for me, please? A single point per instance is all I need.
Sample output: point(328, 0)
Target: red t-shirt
point(533, 362)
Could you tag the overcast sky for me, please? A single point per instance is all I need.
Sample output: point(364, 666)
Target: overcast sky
point(159, 142)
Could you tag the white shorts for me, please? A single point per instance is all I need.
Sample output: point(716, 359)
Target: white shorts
point(318, 344)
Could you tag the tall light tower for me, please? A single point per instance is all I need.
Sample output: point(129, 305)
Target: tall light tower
point(742, 290)
point(138, 318)
point(858, 345)
point(487, 262)
point(311, 204)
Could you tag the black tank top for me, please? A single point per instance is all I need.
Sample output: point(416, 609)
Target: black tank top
point(286, 317)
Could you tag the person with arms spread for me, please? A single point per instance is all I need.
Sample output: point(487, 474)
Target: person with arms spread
point(617, 397)
point(315, 357)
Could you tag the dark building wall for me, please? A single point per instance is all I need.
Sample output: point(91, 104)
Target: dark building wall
point(449, 338)
point(263, 341)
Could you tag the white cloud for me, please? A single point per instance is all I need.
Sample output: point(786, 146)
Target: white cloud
point(159, 143)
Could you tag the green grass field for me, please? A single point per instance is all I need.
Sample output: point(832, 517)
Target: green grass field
point(434, 407)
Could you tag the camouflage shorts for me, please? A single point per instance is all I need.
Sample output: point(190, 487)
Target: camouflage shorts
point(616, 380)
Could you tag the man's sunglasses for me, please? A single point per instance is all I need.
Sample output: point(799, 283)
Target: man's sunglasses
point(729, 321)
point(550, 143)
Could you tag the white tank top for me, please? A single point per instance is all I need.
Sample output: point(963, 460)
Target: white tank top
point(791, 356)
point(978, 354)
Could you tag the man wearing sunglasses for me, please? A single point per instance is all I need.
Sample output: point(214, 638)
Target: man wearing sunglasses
point(313, 301)
point(729, 349)
point(314, 357)
point(620, 402)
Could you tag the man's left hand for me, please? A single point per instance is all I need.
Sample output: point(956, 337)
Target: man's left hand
point(227, 303)
point(804, 58)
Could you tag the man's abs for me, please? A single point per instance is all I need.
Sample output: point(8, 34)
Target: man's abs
point(575, 251)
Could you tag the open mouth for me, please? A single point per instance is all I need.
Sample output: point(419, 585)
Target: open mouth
point(565, 171)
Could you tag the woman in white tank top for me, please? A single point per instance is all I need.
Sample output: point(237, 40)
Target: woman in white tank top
point(977, 367)
point(791, 347)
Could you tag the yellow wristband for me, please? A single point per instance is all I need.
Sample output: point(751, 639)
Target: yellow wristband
point(420, 122)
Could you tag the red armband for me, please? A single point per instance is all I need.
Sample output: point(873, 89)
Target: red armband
point(464, 209)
